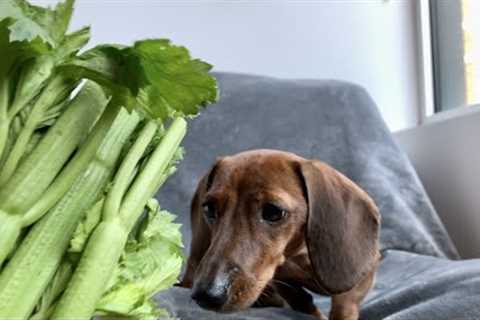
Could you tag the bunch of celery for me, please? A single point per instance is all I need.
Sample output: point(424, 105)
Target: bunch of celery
point(86, 140)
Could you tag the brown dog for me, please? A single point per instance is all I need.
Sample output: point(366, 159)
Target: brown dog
point(266, 225)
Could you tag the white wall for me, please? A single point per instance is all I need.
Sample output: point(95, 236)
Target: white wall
point(369, 42)
point(446, 155)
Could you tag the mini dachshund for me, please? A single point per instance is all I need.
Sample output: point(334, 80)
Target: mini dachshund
point(267, 225)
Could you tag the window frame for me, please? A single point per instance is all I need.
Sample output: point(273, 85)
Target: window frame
point(424, 45)
point(433, 56)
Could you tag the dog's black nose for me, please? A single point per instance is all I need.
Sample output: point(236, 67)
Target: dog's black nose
point(211, 297)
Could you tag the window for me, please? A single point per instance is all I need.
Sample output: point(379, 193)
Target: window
point(455, 49)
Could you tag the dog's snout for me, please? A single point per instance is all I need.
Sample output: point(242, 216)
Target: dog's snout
point(211, 295)
point(210, 298)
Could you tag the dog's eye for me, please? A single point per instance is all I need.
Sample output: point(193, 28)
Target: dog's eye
point(272, 213)
point(210, 211)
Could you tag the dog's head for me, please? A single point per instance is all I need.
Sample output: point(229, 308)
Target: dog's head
point(256, 209)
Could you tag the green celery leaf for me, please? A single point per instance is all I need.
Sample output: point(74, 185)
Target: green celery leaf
point(151, 262)
point(112, 67)
point(180, 85)
point(36, 72)
point(147, 311)
point(30, 22)
point(160, 78)
point(10, 52)
point(71, 44)
point(33, 42)
point(159, 223)
point(27, 64)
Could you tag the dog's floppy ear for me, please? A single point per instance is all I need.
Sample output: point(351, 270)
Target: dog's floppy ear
point(342, 228)
point(200, 231)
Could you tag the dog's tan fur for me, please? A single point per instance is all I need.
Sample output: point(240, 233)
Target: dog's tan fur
point(327, 243)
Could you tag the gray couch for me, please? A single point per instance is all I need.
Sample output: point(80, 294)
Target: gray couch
point(338, 123)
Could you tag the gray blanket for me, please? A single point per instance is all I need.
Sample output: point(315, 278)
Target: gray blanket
point(338, 123)
point(408, 287)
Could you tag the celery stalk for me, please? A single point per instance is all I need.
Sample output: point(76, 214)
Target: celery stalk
point(45, 307)
point(33, 77)
point(41, 167)
point(121, 182)
point(74, 168)
point(146, 184)
point(42, 250)
point(57, 90)
point(106, 244)
point(4, 101)
point(91, 276)
point(37, 72)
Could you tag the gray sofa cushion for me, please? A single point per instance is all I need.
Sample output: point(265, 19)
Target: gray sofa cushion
point(408, 287)
point(332, 121)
